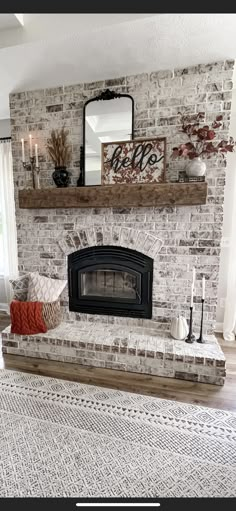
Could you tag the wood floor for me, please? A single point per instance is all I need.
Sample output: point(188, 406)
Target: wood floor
point(166, 388)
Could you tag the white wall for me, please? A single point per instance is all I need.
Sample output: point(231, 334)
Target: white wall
point(5, 129)
point(230, 197)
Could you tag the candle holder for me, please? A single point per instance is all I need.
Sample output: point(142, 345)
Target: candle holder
point(191, 337)
point(200, 339)
point(31, 166)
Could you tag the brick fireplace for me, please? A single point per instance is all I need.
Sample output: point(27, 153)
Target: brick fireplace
point(186, 236)
point(174, 238)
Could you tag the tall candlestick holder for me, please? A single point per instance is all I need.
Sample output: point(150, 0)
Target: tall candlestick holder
point(191, 337)
point(31, 167)
point(200, 339)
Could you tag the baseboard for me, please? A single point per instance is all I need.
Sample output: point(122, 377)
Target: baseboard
point(219, 327)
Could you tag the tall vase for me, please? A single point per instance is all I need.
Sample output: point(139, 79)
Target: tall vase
point(195, 167)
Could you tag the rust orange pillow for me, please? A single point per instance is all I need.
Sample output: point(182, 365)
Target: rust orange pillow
point(27, 318)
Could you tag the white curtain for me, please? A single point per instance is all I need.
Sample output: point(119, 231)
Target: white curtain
point(229, 325)
point(7, 208)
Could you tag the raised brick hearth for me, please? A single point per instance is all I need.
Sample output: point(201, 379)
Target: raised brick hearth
point(137, 350)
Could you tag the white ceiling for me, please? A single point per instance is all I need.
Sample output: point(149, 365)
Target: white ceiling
point(8, 21)
point(56, 49)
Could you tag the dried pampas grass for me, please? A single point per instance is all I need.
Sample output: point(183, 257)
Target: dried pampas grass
point(58, 147)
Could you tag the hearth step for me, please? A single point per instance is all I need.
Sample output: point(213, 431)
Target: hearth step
point(135, 349)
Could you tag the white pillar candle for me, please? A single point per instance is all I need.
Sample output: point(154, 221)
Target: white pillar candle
point(203, 288)
point(30, 145)
point(36, 156)
point(23, 150)
point(194, 275)
point(191, 298)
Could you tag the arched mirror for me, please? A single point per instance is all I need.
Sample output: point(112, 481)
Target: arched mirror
point(106, 118)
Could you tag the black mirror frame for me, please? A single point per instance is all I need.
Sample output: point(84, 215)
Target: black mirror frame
point(104, 96)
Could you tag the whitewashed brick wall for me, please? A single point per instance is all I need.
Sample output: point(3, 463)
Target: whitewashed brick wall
point(190, 235)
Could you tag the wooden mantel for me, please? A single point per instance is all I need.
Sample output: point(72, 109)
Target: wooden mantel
point(125, 195)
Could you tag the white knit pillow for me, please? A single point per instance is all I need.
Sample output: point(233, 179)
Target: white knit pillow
point(44, 289)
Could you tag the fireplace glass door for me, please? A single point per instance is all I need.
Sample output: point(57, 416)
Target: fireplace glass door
point(110, 284)
point(110, 280)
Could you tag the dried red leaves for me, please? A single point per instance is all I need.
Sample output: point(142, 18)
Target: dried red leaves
point(201, 138)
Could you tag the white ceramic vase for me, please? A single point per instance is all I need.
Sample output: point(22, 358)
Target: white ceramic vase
point(179, 328)
point(195, 167)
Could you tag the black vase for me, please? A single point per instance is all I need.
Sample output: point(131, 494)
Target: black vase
point(61, 177)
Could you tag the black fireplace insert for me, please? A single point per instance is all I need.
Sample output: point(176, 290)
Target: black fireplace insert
point(110, 280)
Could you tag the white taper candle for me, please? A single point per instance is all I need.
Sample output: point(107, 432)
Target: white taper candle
point(191, 298)
point(194, 275)
point(30, 145)
point(36, 156)
point(203, 288)
point(23, 150)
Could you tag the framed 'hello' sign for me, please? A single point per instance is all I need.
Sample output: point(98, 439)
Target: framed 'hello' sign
point(134, 161)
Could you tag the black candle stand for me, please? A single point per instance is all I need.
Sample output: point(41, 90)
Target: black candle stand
point(191, 338)
point(200, 339)
point(31, 166)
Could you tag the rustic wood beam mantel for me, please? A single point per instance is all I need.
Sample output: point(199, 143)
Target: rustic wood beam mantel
point(125, 195)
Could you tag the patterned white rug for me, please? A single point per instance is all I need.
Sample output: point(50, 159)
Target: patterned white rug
point(65, 439)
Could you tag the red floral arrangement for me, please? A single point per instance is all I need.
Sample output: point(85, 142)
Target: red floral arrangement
point(200, 139)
